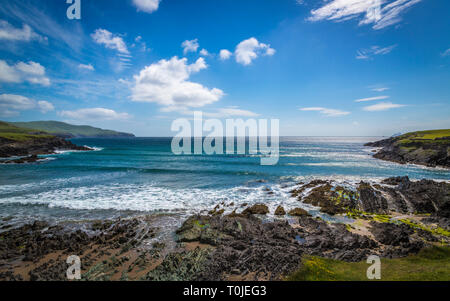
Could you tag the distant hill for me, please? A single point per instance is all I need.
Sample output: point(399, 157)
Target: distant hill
point(430, 148)
point(66, 130)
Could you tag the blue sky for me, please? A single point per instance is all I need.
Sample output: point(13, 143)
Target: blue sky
point(336, 67)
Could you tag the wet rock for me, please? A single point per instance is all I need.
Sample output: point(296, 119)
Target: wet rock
point(298, 212)
point(256, 209)
point(280, 211)
point(372, 200)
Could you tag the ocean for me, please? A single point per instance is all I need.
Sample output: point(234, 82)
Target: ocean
point(125, 177)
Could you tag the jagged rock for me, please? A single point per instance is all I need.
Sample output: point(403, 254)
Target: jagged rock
point(298, 212)
point(256, 209)
point(280, 211)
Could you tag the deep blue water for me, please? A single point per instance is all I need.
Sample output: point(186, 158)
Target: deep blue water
point(125, 176)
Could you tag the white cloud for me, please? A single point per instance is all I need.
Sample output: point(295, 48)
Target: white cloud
point(94, 114)
point(379, 13)
point(31, 72)
point(45, 106)
point(230, 112)
point(365, 54)
point(167, 83)
point(8, 74)
point(446, 52)
point(147, 6)
point(86, 67)
point(225, 54)
point(16, 102)
point(25, 34)
point(204, 52)
point(190, 46)
point(326, 112)
point(250, 49)
point(106, 38)
point(382, 106)
point(380, 89)
point(224, 113)
point(11, 103)
point(372, 98)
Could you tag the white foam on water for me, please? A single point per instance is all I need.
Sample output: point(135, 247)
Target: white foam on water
point(150, 198)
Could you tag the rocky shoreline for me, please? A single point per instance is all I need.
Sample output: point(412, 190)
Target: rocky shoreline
point(404, 150)
point(392, 219)
point(28, 150)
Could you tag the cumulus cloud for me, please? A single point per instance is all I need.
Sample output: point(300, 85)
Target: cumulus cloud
point(365, 54)
point(379, 13)
point(25, 34)
point(372, 98)
point(45, 106)
point(86, 67)
point(147, 6)
point(225, 54)
point(31, 72)
point(382, 106)
point(110, 41)
point(204, 52)
point(250, 49)
point(190, 46)
point(94, 114)
point(326, 112)
point(11, 104)
point(166, 83)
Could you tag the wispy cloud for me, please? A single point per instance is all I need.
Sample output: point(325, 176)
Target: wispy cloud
point(382, 106)
point(35, 17)
point(225, 113)
point(326, 112)
point(372, 98)
point(86, 67)
point(446, 52)
point(378, 13)
point(380, 89)
point(365, 54)
point(24, 34)
point(94, 114)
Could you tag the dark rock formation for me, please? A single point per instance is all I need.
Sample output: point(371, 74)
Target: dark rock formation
point(403, 150)
point(33, 147)
point(280, 211)
point(256, 209)
point(298, 212)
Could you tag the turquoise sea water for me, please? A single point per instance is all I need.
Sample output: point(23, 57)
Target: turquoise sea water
point(133, 176)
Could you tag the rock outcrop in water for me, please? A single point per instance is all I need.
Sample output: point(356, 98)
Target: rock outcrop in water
point(32, 147)
point(429, 148)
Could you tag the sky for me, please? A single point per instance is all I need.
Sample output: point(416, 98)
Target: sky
point(322, 67)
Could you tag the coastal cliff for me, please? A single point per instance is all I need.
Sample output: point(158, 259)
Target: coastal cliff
point(429, 148)
point(28, 144)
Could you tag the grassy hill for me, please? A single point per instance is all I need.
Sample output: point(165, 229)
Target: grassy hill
point(430, 148)
point(15, 133)
point(70, 131)
point(424, 137)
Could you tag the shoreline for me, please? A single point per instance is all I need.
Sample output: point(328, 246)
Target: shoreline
point(241, 245)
